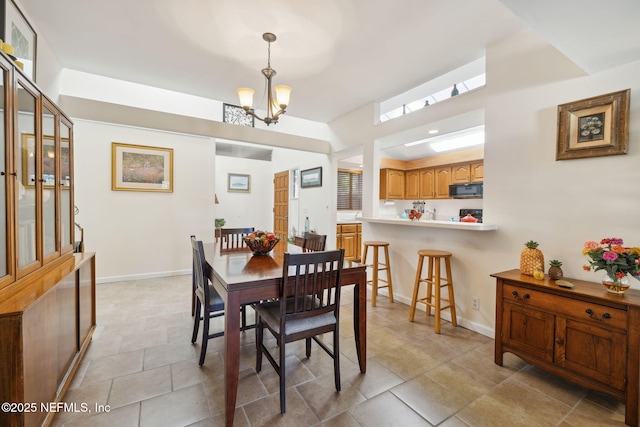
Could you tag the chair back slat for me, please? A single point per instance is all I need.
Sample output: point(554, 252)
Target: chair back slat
point(313, 242)
point(233, 238)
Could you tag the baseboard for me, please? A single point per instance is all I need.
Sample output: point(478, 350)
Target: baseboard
point(112, 279)
point(465, 323)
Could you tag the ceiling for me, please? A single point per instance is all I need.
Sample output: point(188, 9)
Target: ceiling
point(337, 55)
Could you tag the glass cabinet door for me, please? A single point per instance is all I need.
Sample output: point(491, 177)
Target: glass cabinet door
point(25, 149)
point(6, 268)
point(49, 173)
point(66, 180)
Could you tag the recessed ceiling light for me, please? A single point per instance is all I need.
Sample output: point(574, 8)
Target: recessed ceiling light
point(433, 131)
point(454, 140)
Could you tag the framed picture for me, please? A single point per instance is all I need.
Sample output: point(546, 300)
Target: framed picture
point(17, 32)
point(238, 183)
point(48, 160)
point(236, 115)
point(141, 168)
point(593, 127)
point(311, 178)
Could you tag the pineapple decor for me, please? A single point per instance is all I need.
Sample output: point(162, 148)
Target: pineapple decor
point(555, 272)
point(530, 258)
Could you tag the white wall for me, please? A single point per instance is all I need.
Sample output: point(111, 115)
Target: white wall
point(142, 234)
point(253, 209)
point(527, 193)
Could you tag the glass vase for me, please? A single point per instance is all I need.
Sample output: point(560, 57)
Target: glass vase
point(615, 285)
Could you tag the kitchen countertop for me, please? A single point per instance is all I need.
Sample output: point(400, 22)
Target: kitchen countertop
point(470, 226)
point(349, 221)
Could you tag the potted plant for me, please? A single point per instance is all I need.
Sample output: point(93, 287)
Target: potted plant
point(220, 222)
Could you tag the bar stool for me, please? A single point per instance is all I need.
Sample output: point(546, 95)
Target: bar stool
point(434, 279)
point(376, 267)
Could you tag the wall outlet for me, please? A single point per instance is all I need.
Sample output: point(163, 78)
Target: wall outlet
point(475, 303)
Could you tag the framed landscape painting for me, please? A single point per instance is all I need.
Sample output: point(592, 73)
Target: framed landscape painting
point(238, 183)
point(311, 178)
point(141, 168)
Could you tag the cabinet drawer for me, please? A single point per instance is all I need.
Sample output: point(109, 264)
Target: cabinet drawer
point(577, 309)
point(349, 228)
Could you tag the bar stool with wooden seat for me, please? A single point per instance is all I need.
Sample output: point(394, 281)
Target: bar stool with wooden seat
point(435, 282)
point(376, 267)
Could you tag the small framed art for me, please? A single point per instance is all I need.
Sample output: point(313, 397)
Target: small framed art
point(238, 183)
point(594, 127)
point(311, 178)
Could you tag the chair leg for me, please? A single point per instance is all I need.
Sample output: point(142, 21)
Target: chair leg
point(283, 398)
point(196, 322)
point(336, 358)
point(308, 345)
point(259, 337)
point(416, 288)
point(206, 316)
point(243, 311)
point(388, 266)
point(374, 278)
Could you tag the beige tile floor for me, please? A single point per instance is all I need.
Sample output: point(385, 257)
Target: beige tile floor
point(142, 367)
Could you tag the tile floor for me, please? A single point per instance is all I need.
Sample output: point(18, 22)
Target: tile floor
point(142, 364)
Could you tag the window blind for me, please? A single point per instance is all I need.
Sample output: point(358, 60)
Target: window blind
point(349, 190)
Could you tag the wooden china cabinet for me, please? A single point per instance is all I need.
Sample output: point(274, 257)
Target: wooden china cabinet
point(47, 292)
point(583, 334)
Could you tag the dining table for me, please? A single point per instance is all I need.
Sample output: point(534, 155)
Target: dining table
point(240, 277)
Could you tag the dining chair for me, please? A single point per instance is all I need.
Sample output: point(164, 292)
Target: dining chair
point(313, 242)
point(308, 306)
point(207, 299)
point(233, 238)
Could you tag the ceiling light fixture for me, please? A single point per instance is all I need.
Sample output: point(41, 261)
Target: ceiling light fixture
point(453, 140)
point(275, 107)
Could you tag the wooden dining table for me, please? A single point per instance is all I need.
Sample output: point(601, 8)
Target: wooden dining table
point(242, 278)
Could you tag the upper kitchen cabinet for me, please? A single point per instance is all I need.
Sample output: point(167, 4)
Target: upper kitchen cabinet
point(477, 171)
point(442, 182)
point(392, 184)
point(467, 172)
point(412, 184)
point(36, 180)
point(420, 184)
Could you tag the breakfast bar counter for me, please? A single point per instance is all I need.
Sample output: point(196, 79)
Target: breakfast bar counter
point(469, 226)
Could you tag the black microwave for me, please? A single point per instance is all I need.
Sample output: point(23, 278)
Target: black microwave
point(466, 191)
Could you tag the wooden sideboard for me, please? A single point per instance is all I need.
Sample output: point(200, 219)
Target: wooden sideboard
point(46, 324)
point(584, 334)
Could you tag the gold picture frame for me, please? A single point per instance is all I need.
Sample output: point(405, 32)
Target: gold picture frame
point(141, 168)
point(238, 183)
point(593, 127)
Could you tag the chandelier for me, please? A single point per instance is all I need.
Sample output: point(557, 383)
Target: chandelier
point(275, 107)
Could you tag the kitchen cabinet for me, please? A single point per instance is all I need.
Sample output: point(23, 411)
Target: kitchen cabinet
point(477, 171)
point(427, 183)
point(464, 173)
point(391, 184)
point(584, 334)
point(442, 182)
point(412, 184)
point(420, 184)
point(349, 237)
